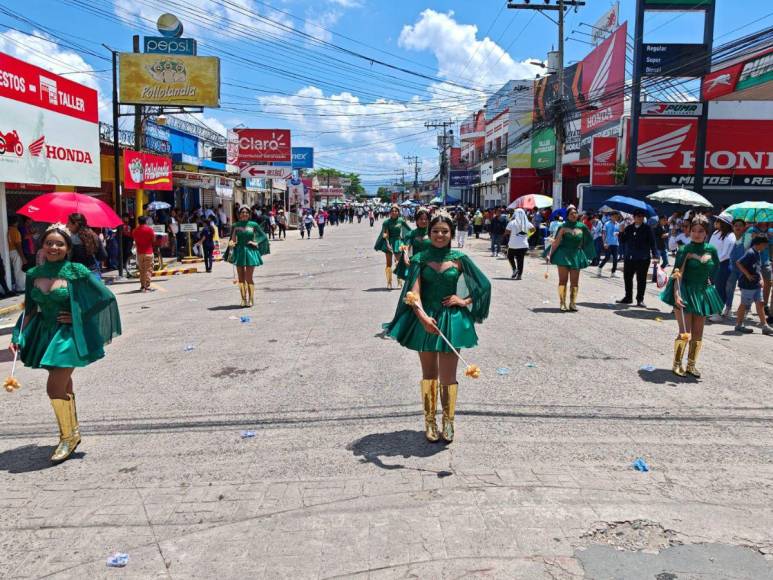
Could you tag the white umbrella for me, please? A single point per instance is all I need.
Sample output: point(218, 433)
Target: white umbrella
point(680, 196)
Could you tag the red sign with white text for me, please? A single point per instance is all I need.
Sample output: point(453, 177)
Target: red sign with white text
point(738, 152)
point(147, 171)
point(603, 81)
point(721, 82)
point(260, 146)
point(49, 131)
point(603, 158)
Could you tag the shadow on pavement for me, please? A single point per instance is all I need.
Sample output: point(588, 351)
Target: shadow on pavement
point(30, 458)
point(602, 305)
point(227, 307)
point(372, 448)
point(640, 314)
point(547, 310)
point(664, 376)
point(379, 289)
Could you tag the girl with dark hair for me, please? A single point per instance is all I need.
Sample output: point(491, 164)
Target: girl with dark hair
point(393, 231)
point(692, 294)
point(248, 243)
point(87, 248)
point(572, 250)
point(69, 317)
point(417, 241)
point(723, 239)
point(434, 276)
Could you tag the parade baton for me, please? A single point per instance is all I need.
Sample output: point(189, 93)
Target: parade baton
point(678, 279)
point(12, 384)
point(472, 371)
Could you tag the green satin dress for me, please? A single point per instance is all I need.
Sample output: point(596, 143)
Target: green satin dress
point(46, 343)
point(576, 249)
point(698, 293)
point(417, 241)
point(244, 253)
point(456, 323)
point(398, 231)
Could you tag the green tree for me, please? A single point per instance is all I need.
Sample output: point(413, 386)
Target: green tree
point(384, 194)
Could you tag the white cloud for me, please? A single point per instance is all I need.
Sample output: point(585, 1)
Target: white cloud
point(459, 52)
point(347, 3)
point(235, 18)
point(46, 54)
point(318, 25)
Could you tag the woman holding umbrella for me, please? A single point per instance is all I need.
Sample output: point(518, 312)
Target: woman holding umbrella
point(692, 295)
point(68, 318)
point(248, 242)
point(393, 231)
point(572, 250)
point(433, 277)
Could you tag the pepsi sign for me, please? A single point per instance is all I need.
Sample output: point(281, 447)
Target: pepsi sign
point(162, 45)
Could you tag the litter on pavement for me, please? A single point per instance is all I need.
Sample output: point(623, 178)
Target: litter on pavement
point(245, 319)
point(118, 560)
point(248, 434)
point(640, 465)
point(503, 371)
point(531, 365)
point(648, 368)
point(189, 347)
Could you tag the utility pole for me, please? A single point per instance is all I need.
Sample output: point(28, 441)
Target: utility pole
point(444, 144)
point(416, 166)
point(140, 199)
point(560, 7)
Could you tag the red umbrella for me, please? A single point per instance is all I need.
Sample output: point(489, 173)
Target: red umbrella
point(57, 206)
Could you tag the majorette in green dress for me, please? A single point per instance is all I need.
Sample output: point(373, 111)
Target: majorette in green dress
point(46, 343)
point(697, 263)
point(418, 241)
point(398, 231)
point(457, 323)
point(244, 253)
point(575, 250)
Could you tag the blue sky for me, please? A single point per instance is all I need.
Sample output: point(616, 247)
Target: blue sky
point(359, 115)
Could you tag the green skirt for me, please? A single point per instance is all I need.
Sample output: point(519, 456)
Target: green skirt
point(455, 323)
point(383, 245)
point(401, 270)
point(702, 300)
point(48, 344)
point(574, 259)
point(245, 256)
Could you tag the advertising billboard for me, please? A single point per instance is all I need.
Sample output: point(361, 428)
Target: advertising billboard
point(49, 127)
point(605, 25)
point(259, 146)
point(675, 60)
point(146, 171)
point(602, 84)
point(603, 159)
point(652, 109)
point(747, 80)
point(303, 157)
point(543, 148)
point(739, 153)
point(463, 178)
point(164, 45)
point(164, 79)
point(267, 171)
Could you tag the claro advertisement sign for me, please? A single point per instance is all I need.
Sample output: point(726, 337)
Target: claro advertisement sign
point(165, 79)
point(49, 131)
point(259, 146)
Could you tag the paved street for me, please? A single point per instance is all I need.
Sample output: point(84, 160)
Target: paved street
point(339, 481)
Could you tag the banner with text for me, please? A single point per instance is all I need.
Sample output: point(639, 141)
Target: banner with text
point(160, 79)
point(603, 159)
point(147, 171)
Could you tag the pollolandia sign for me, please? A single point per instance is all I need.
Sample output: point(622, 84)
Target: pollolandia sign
point(739, 153)
point(169, 79)
point(649, 109)
point(147, 171)
point(259, 146)
point(49, 131)
point(603, 159)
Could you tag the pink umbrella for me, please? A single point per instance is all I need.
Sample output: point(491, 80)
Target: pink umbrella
point(532, 201)
point(57, 206)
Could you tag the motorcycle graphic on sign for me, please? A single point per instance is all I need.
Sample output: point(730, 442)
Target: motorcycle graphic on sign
point(11, 142)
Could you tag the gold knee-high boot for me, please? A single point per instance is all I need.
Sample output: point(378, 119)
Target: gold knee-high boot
point(243, 292)
point(429, 388)
point(388, 273)
point(68, 437)
point(573, 298)
point(562, 298)
point(448, 401)
point(251, 294)
point(680, 345)
point(76, 428)
point(692, 357)
point(399, 283)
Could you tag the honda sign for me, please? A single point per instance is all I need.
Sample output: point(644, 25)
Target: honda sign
point(603, 159)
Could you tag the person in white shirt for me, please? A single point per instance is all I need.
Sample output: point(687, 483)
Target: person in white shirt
point(223, 219)
point(723, 239)
point(518, 230)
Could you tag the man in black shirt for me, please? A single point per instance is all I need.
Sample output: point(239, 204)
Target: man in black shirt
point(497, 230)
point(638, 240)
point(661, 232)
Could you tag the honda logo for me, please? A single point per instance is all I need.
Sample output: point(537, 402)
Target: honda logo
point(605, 157)
point(654, 152)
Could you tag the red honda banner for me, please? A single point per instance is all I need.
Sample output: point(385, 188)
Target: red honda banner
point(738, 152)
point(603, 80)
point(147, 171)
point(603, 158)
point(260, 146)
